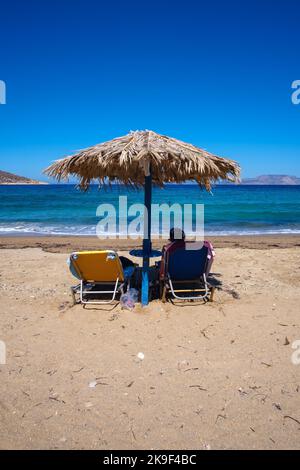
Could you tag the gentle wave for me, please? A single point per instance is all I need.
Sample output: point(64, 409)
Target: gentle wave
point(91, 231)
point(47, 230)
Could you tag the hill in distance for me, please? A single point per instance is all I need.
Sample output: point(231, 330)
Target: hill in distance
point(10, 178)
point(273, 180)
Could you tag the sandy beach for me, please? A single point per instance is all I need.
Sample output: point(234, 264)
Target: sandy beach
point(214, 376)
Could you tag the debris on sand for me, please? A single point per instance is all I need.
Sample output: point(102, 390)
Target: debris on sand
point(293, 419)
point(199, 387)
point(93, 384)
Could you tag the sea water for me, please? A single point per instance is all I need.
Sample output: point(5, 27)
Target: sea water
point(62, 209)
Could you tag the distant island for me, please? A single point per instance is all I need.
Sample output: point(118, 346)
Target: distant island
point(268, 180)
point(273, 180)
point(10, 178)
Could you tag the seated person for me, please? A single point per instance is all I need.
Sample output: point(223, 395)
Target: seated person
point(126, 262)
point(177, 240)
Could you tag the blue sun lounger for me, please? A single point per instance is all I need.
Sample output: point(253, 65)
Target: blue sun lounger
point(186, 273)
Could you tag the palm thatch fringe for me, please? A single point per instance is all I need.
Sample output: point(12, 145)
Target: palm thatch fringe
point(124, 160)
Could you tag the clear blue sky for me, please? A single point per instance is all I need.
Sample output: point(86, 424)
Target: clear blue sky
point(217, 74)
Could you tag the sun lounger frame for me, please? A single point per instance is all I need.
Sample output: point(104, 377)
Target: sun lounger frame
point(190, 297)
point(80, 289)
point(207, 289)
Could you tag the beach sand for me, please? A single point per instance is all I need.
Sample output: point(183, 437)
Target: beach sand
point(214, 376)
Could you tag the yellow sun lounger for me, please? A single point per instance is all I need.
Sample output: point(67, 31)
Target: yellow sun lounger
point(102, 268)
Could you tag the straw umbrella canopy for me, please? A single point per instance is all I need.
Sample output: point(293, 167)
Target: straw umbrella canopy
point(143, 158)
point(123, 159)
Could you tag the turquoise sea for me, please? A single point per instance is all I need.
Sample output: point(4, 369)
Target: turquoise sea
point(229, 210)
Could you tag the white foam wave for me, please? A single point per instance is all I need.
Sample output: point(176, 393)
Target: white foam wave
point(78, 230)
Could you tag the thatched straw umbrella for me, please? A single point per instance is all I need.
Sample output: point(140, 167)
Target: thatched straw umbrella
point(140, 159)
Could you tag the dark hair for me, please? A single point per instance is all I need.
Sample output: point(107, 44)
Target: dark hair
point(177, 234)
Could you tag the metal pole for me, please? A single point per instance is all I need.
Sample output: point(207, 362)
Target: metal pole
point(147, 246)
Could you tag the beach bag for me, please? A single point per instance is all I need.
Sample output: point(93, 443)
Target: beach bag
point(129, 299)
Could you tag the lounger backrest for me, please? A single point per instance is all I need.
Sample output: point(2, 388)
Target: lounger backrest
point(184, 265)
point(97, 266)
point(210, 256)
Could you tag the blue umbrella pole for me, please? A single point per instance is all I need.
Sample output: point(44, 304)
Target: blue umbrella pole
point(147, 246)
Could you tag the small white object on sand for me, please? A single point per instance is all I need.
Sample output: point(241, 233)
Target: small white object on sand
point(141, 356)
point(93, 384)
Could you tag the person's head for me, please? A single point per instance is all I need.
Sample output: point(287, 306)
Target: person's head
point(177, 234)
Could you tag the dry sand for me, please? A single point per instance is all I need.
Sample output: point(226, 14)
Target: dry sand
point(216, 375)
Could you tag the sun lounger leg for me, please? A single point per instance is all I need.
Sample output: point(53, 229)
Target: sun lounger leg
point(212, 293)
point(164, 294)
point(75, 290)
point(73, 295)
